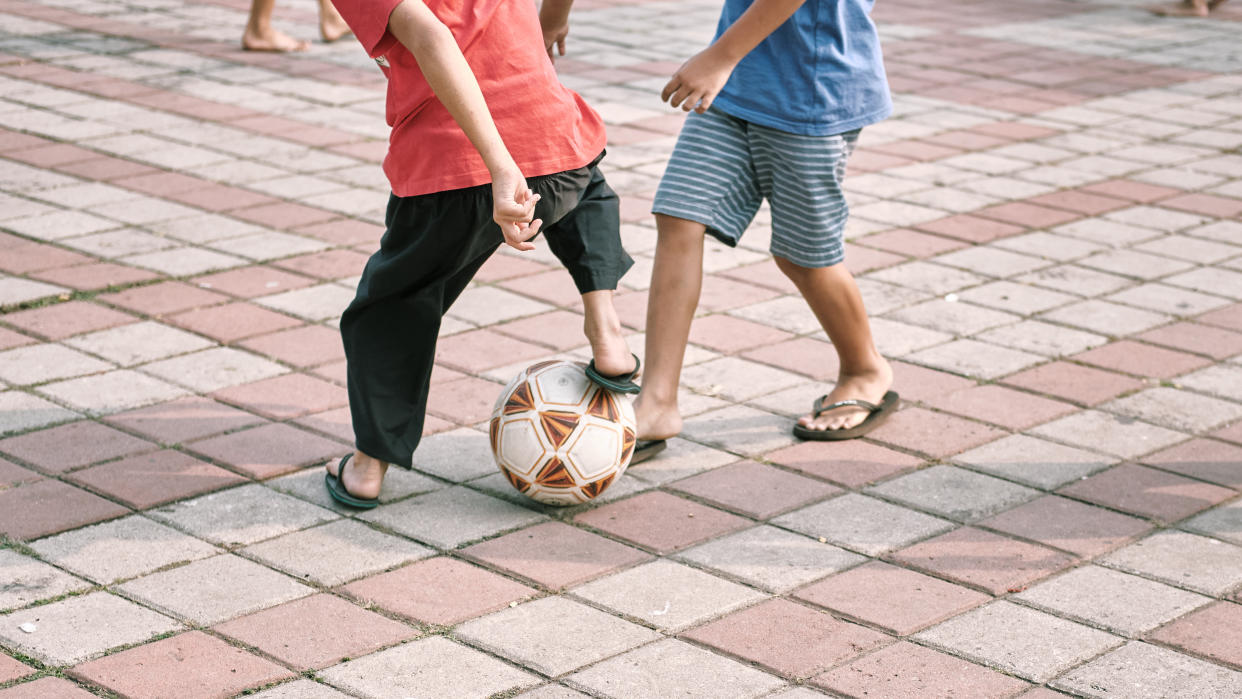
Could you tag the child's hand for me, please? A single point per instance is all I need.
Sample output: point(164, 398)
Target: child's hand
point(513, 208)
point(555, 37)
point(697, 82)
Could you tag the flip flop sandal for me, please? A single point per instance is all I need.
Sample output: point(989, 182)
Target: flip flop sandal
point(336, 488)
point(621, 383)
point(647, 448)
point(876, 416)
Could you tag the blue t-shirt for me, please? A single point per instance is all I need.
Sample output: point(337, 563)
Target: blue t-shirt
point(819, 73)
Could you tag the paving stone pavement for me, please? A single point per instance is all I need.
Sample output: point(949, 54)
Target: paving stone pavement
point(1047, 233)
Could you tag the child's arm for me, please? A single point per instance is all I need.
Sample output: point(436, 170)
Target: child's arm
point(697, 82)
point(554, 19)
point(445, 68)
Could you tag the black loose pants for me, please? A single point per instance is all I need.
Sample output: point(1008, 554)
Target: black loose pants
point(433, 246)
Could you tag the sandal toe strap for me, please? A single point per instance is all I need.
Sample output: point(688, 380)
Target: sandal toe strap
point(820, 408)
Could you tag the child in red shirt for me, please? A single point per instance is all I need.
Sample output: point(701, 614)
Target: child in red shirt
point(476, 109)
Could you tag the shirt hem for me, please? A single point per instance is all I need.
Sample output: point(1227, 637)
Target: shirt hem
point(464, 180)
point(803, 128)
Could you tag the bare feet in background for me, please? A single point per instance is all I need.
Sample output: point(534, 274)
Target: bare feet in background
point(1187, 8)
point(260, 35)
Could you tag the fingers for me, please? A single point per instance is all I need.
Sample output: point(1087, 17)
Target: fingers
point(672, 86)
point(560, 45)
point(518, 236)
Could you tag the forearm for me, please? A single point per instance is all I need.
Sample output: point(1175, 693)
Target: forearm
point(756, 23)
point(441, 61)
point(554, 13)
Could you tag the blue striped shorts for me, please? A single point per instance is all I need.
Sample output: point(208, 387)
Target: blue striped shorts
point(723, 168)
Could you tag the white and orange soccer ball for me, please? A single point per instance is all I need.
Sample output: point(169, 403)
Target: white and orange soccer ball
point(560, 438)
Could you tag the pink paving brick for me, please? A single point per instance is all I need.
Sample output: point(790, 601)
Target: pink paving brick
point(105, 169)
point(163, 298)
point(439, 591)
point(10, 339)
point(632, 309)
point(852, 463)
point(12, 669)
point(335, 423)
point(329, 264)
point(754, 490)
point(1013, 130)
point(1228, 317)
point(966, 140)
point(183, 419)
point(560, 330)
point(191, 664)
point(918, 150)
point(1069, 525)
point(1216, 343)
point(1028, 215)
point(343, 231)
point(555, 555)
point(935, 434)
point(155, 478)
point(1206, 204)
point(214, 197)
point(1141, 359)
point(1075, 383)
point(1148, 492)
point(918, 383)
point(283, 215)
point(46, 688)
point(722, 294)
point(464, 401)
point(907, 671)
point(305, 346)
point(59, 449)
point(11, 474)
point(897, 600)
point(161, 183)
point(337, 372)
point(661, 522)
point(95, 276)
point(1081, 202)
point(24, 259)
point(269, 450)
point(233, 321)
point(911, 243)
point(49, 507)
point(993, 563)
point(1002, 406)
point(787, 638)
point(765, 274)
point(284, 397)
point(1132, 190)
point(970, 228)
point(62, 320)
point(803, 355)
point(860, 260)
point(479, 350)
point(1213, 632)
point(729, 335)
point(317, 631)
point(52, 155)
point(1205, 459)
point(249, 282)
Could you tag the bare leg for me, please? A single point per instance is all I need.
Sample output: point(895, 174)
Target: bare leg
point(676, 280)
point(261, 36)
point(331, 25)
point(834, 298)
point(363, 477)
point(603, 331)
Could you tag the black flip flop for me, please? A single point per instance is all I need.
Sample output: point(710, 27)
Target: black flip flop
point(647, 448)
point(621, 383)
point(877, 414)
point(336, 488)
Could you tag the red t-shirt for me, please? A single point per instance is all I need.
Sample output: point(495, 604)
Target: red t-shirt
point(546, 126)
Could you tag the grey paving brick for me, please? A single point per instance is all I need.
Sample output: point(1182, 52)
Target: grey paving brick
point(242, 515)
point(976, 359)
point(451, 517)
point(1015, 639)
point(1035, 462)
point(1123, 604)
point(428, 668)
point(112, 392)
point(337, 552)
point(667, 595)
point(554, 635)
point(1106, 318)
point(20, 411)
point(457, 455)
point(673, 668)
point(1097, 430)
point(1144, 671)
point(954, 318)
point(954, 493)
point(737, 379)
point(78, 628)
point(216, 589)
point(1176, 409)
point(1186, 560)
point(1220, 380)
point(29, 580)
point(214, 369)
point(123, 548)
point(863, 524)
point(681, 459)
point(300, 689)
point(740, 429)
point(1223, 522)
point(1041, 338)
point(138, 342)
point(771, 559)
point(40, 363)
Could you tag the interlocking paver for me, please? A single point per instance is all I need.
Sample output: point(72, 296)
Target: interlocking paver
point(853, 463)
point(1186, 560)
point(770, 558)
point(31, 581)
point(932, 433)
point(907, 670)
point(1148, 492)
point(48, 507)
point(268, 450)
point(1211, 632)
point(1224, 522)
point(660, 522)
point(182, 420)
point(673, 668)
point(1068, 525)
point(1205, 459)
point(1123, 604)
point(953, 492)
point(214, 369)
point(863, 524)
point(120, 549)
point(753, 489)
point(983, 559)
point(555, 555)
point(451, 517)
point(300, 689)
point(59, 449)
point(146, 480)
point(215, 589)
point(46, 687)
point(680, 459)
point(77, 628)
point(1142, 670)
point(440, 591)
point(189, 664)
point(1177, 409)
point(337, 552)
point(1073, 382)
point(429, 667)
point(11, 669)
point(242, 515)
point(1018, 640)
point(1111, 434)
point(667, 595)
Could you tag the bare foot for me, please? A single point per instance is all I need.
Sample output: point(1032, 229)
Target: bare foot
point(363, 477)
point(331, 25)
point(656, 421)
point(870, 387)
point(608, 347)
point(1188, 8)
point(272, 40)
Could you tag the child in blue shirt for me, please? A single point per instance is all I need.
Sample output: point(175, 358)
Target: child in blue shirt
point(777, 102)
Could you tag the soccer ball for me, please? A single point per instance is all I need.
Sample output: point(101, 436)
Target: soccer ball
point(558, 437)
